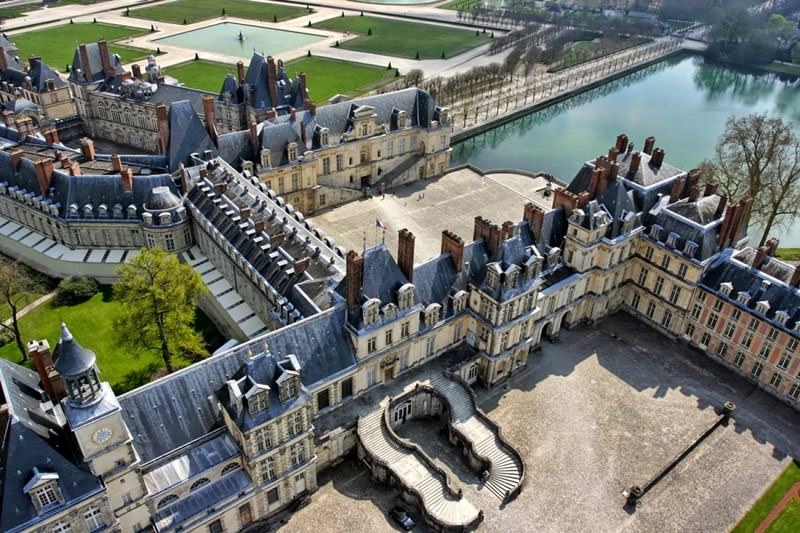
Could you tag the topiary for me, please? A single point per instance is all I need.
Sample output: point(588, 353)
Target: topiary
point(196, 56)
point(417, 56)
point(389, 67)
point(308, 54)
point(274, 18)
point(369, 31)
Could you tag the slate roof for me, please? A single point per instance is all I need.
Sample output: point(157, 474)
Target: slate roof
point(25, 399)
point(71, 358)
point(40, 72)
point(95, 65)
point(187, 134)
point(256, 89)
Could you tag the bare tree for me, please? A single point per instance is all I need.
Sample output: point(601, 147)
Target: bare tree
point(759, 155)
point(16, 288)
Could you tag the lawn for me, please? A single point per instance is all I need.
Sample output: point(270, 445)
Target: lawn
point(403, 39)
point(789, 519)
point(326, 77)
point(92, 325)
point(57, 45)
point(193, 11)
point(789, 254)
point(769, 500)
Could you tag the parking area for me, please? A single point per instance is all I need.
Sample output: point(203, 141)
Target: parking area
point(605, 408)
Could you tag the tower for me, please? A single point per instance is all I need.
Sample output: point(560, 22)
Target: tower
point(95, 419)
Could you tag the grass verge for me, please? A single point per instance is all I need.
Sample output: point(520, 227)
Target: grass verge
point(789, 254)
point(769, 500)
point(193, 11)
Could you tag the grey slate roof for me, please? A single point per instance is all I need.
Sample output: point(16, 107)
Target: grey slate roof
point(187, 134)
point(25, 397)
point(40, 72)
point(71, 358)
point(95, 65)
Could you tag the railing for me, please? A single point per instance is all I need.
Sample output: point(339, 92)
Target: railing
point(497, 430)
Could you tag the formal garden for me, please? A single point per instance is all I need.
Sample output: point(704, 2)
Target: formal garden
point(191, 11)
point(400, 38)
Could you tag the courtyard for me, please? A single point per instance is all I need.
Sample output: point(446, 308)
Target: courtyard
point(600, 410)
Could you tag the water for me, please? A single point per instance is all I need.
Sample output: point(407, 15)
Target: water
point(223, 38)
point(684, 102)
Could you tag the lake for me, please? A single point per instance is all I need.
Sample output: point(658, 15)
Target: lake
point(684, 102)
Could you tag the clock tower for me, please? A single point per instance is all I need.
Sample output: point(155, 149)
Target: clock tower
point(95, 419)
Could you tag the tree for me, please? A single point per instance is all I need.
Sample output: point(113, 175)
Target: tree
point(158, 295)
point(759, 156)
point(796, 54)
point(17, 287)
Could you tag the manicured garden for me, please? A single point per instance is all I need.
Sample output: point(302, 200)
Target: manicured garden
point(56, 45)
point(761, 509)
point(192, 11)
point(91, 322)
point(325, 77)
point(789, 254)
point(401, 38)
point(18, 11)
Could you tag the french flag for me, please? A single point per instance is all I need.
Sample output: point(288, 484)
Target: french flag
point(379, 224)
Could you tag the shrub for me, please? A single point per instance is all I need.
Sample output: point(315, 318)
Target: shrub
point(308, 54)
point(274, 18)
point(72, 291)
point(369, 31)
point(184, 22)
point(417, 56)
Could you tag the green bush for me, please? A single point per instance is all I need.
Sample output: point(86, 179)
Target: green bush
point(72, 291)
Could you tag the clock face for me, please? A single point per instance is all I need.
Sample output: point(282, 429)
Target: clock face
point(102, 435)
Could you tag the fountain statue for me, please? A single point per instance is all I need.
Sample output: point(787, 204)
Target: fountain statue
point(241, 36)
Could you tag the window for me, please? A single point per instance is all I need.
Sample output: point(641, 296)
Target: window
point(263, 439)
point(48, 494)
point(272, 495)
point(739, 361)
point(258, 402)
point(689, 330)
point(281, 185)
point(61, 527)
point(347, 388)
point(651, 309)
point(172, 498)
point(772, 334)
point(659, 285)
point(199, 484)
point(170, 242)
point(390, 149)
point(323, 399)
point(388, 337)
point(322, 201)
point(736, 315)
point(753, 325)
point(298, 452)
point(794, 391)
point(402, 148)
point(151, 241)
point(339, 162)
point(245, 515)
point(696, 310)
point(294, 423)
point(372, 376)
point(682, 271)
point(785, 360)
point(215, 526)
point(722, 349)
point(705, 340)
point(765, 350)
point(730, 327)
point(648, 254)
point(642, 276)
point(775, 380)
point(747, 339)
point(666, 320)
point(674, 294)
point(364, 129)
point(266, 469)
point(712, 320)
point(791, 346)
point(665, 262)
point(326, 166)
point(718, 305)
point(295, 181)
point(232, 467)
point(94, 518)
point(372, 345)
point(430, 346)
point(756, 370)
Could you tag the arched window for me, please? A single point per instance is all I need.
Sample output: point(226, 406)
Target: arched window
point(202, 482)
point(230, 468)
point(167, 501)
point(61, 527)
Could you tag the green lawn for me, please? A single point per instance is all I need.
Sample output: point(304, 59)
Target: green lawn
point(769, 500)
point(789, 254)
point(326, 77)
point(57, 45)
point(461, 5)
point(196, 10)
point(92, 325)
point(789, 519)
point(403, 39)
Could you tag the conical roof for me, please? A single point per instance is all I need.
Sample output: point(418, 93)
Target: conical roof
point(72, 359)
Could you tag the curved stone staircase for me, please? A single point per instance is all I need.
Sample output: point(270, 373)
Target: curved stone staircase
point(507, 470)
point(415, 472)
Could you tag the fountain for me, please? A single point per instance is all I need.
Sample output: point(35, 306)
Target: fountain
point(241, 36)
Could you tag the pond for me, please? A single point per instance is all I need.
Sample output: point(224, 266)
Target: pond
point(684, 102)
point(224, 38)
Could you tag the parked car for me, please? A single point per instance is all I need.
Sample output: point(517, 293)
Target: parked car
point(402, 517)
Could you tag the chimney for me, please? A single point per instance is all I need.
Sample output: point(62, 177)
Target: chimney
point(240, 72)
point(594, 185)
point(693, 178)
point(711, 188)
point(795, 282)
point(53, 385)
point(74, 168)
point(44, 171)
point(87, 148)
point(723, 201)
point(301, 265)
point(3, 64)
point(208, 112)
point(51, 136)
point(649, 144)
point(534, 215)
point(259, 225)
point(137, 71)
point(405, 253)
point(126, 175)
point(622, 143)
point(353, 279)
point(310, 107)
point(303, 90)
point(116, 162)
point(105, 58)
point(507, 230)
point(657, 159)
point(292, 114)
point(50, 84)
point(454, 245)
point(8, 118)
point(271, 82)
point(760, 257)
point(694, 193)
point(85, 65)
point(489, 232)
point(163, 128)
point(772, 246)
point(254, 136)
point(244, 213)
point(24, 126)
point(612, 154)
point(725, 226)
point(677, 189)
point(16, 158)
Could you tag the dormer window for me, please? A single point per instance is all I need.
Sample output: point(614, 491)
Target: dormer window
point(292, 151)
point(43, 490)
point(553, 257)
point(690, 248)
point(364, 129)
point(402, 118)
point(324, 134)
point(369, 311)
point(459, 301)
point(655, 231)
point(743, 297)
point(762, 307)
point(389, 311)
point(493, 276)
point(432, 314)
point(672, 239)
point(258, 402)
point(247, 166)
point(266, 158)
point(782, 316)
point(726, 288)
point(405, 296)
point(511, 277)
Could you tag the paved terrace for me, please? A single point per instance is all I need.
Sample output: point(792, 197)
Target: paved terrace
point(602, 409)
point(427, 208)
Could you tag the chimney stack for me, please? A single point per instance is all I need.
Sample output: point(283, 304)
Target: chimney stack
point(489, 232)
point(16, 158)
point(3, 64)
point(405, 253)
point(136, 70)
point(240, 72)
point(87, 148)
point(636, 160)
point(795, 282)
point(244, 213)
point(8, 118)
point(259, 226)
point(44, 172)
point(657, 159)
point(622, 143)
point(116, 162)
point(301, 265)
point(272, 78)
point(51, 136)
point(694, 193)
point(208, 112)
point(612, 154)
point(507, 230)
point(105, 58)
point(649, 144)
point(534, 215)
point(353, 279)
point(53, 385)
point(74, 168)
point(772, 246)
point(760, 257)
point(454, 245)
point(163, 128)
point(254, 136)
point(85, 65)
point(711, 188)
point(126, 175)
point(303, 91)
point(723, 201)
point(677, 189)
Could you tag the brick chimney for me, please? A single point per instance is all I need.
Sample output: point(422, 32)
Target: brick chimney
point(87, 148)
point(3, 64)
point(136, 70)
point(711, 188)
point(622, 143)
point(105, 58)
point(795, 282)
point(116, 162)
point(490, 233)
point(126, 175)
point(51, 136)
point(272, 77)
point(405, 253)
point(74, 168)
point(692, 178)
point(636, 161)
point(534, 216)
point(24, 126)
point(44, 171)
point(163, 128)
point(649, 144)
point(353, 279)
point(612, 154)
point(507, 230)
point(85, 65)
point(454, 245)
point(677, 189)
point(761, 255)
point(694, 193)
point(772, 246)
point(53, 385)
point(240, 72)
point(16, 157)
point(259, 225)
point(244, 213)
point(723, 201)
point(8, 118)
point(303, 88)
point(657, 159)
point(208, 113)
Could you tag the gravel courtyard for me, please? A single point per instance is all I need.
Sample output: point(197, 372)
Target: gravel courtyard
point(604, 408)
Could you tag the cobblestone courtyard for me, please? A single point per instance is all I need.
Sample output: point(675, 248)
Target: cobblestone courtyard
point(604, 408)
